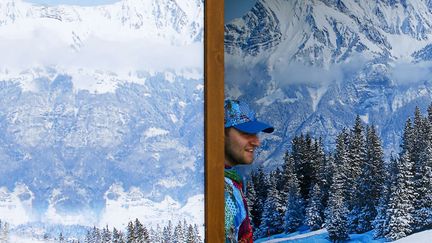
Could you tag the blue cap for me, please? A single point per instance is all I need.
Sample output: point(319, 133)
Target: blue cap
point(241, 117)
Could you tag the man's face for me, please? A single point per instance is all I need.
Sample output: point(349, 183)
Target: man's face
point(239, 147)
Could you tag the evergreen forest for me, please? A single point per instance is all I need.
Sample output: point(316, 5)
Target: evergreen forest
point(351, 189)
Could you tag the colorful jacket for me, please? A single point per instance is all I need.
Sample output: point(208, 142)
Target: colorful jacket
point(237, 222)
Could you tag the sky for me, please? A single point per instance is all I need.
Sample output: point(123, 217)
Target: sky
point(73, 2)
point(237, 8)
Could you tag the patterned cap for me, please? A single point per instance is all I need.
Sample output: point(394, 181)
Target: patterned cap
point(239, 115)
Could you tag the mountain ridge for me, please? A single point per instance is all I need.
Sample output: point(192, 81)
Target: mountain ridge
point(166, 20)
point(331, 61)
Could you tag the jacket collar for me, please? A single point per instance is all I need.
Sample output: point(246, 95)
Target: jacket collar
point(232, 174)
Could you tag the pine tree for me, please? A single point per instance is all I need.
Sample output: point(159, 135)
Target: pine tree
point(317, 160)
point(325, 178)
point(400, 208)
point(314, 212)
point(145, 234)
point(130, 236)
point(371, 182)
point(381, 220)
point(140, 232)
point(429, 111)
point(190, 236)
point(122, 238)
point(116, 236)
point(61, 238)
point(166, 236)
point(95, 235)
point(337, 211)
point(178, 235)
point(303, 159)
point(294, 212)
point(408, 139)
point(260, 183)
point(271, 221)
point(88, 238)
point(280, 180)
point(170, 228)
point(167, 233)
point(319, 164)
point(356, 161)
point(419, 137)
point(423, 187)
point(185, 228)
point(106, 235)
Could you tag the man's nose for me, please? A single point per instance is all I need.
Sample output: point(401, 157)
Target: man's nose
point(255, 140)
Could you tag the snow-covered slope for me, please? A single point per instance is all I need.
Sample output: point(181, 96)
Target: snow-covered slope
point(312, 66)
point(322, 237)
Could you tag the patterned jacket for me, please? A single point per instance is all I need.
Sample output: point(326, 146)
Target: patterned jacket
point(237, 222)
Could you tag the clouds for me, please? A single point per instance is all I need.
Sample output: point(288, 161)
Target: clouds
point(299, 73)
point(137, 55)
point(101, 45)
point(405, 73)
point(48, 48)
point(284, 72)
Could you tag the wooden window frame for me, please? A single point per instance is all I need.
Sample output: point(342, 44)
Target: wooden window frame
point(213, 120)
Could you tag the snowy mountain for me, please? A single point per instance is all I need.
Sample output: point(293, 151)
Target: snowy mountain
point(94, 97)
point(122, 206)
point(312, 66)
point(179, 22)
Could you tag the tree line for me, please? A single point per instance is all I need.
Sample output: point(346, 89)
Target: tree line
point(135, 232)
point(351, 189)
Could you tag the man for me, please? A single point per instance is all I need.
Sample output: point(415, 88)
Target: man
point(241, 140)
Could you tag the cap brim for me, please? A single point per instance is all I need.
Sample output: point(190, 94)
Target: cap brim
point(254, 127)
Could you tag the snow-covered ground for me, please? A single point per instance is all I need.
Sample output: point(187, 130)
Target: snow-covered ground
point(321, 236)
point(421, 237)
point(18, 239)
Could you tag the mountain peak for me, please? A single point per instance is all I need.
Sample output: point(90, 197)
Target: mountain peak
point(331, 31)
point(170, 21)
